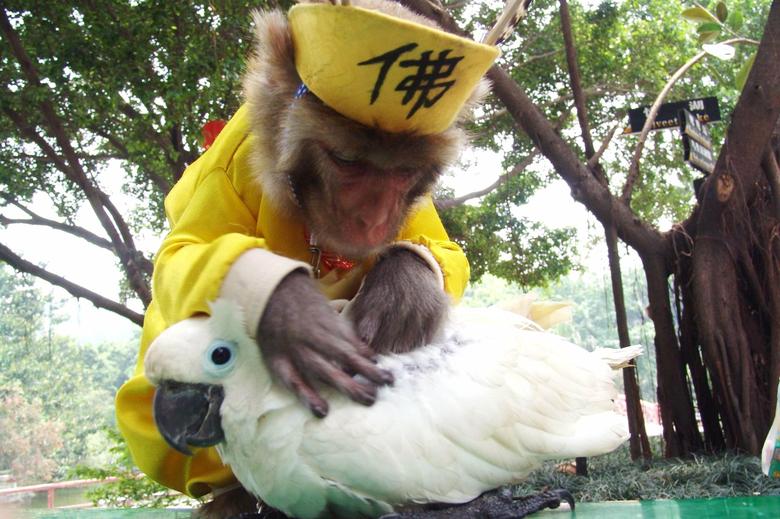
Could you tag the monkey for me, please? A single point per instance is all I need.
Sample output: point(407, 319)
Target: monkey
point(293, 206)
point(354, 186)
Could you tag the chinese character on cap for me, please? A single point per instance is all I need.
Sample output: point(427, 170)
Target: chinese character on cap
point(383, 71)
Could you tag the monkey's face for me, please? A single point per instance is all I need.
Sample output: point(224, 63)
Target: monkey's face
point(352, 185)
point(356, 185)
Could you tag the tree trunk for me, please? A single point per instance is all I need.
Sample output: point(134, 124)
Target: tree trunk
point(709, 415)
point(639, 442)
point(735, 261)
point(681, 435)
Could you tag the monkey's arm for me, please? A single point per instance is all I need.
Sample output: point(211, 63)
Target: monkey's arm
point(424, 228)
point(403, 300)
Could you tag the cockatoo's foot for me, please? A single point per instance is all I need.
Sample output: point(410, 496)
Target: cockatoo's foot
point(264, 513)
point(261, 515)
point(498, 504)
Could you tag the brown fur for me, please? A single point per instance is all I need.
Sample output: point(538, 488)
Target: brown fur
point(226, 505)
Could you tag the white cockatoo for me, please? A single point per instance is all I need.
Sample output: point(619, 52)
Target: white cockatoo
point(477, 409)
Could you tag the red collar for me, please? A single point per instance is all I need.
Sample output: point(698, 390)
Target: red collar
point(325, 259)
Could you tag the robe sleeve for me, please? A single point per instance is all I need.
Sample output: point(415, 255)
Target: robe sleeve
point(424, 228)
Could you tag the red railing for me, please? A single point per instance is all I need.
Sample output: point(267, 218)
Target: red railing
point(50, 488)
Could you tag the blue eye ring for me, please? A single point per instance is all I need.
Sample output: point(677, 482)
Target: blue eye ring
point(220, 357)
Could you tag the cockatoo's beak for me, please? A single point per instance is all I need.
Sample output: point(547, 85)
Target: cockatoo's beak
point(188, 414)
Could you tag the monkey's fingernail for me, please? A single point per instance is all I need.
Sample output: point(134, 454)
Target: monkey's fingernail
point(386, 377)
point(366, 397)
point(318, 410)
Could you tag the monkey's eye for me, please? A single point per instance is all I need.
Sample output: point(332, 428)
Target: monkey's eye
point(220, 358)
point(343, 158)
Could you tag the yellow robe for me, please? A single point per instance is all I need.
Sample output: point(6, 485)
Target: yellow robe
point(217, 213)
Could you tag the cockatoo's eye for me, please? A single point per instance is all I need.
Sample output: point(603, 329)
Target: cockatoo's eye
point(220, 357)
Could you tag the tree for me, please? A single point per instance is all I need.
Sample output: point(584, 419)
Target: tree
point(30, 440)
point(745, 409)
point(56, 394)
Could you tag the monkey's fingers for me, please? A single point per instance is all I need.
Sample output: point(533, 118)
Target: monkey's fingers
point(294, 380)
point(330, 374)
point(351, 355)
point(363, 348)
point(360, 365)
point(345, 349)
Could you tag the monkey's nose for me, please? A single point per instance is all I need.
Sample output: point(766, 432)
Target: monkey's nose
point(373, 224)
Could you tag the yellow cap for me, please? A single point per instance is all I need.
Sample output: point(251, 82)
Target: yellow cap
point(384, 71)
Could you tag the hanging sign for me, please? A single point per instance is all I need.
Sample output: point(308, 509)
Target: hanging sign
point(706, 108)
point(697, 145)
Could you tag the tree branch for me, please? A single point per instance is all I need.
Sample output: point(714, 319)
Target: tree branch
point(82, 156)
point(36, 219)
point(150, 133)
point(575, 80)
point(75, 290)
point(633, 169)
point(449, 203)
point(543, 55)
point(592, 161)
point(516, 170)
point(594, 91)
point(162, 184)
point(28, 131)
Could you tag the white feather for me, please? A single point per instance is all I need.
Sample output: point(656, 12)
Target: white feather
point(513, 12)
point(478, 409)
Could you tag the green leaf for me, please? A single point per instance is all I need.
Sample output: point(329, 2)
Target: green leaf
point(699, 15)
point(722, 11)
point(709, 27)
point(737, 20)
point(706, 37)
point(743, 72)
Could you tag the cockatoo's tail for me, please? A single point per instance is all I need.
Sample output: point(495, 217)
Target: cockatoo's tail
point(770, 454)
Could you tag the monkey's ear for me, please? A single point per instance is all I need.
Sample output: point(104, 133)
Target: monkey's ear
point(271, 69)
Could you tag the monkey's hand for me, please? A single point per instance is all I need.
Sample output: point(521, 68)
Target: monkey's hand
point(303, 340)
point(401, 304)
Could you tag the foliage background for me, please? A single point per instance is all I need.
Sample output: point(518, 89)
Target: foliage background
point(56, 395)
